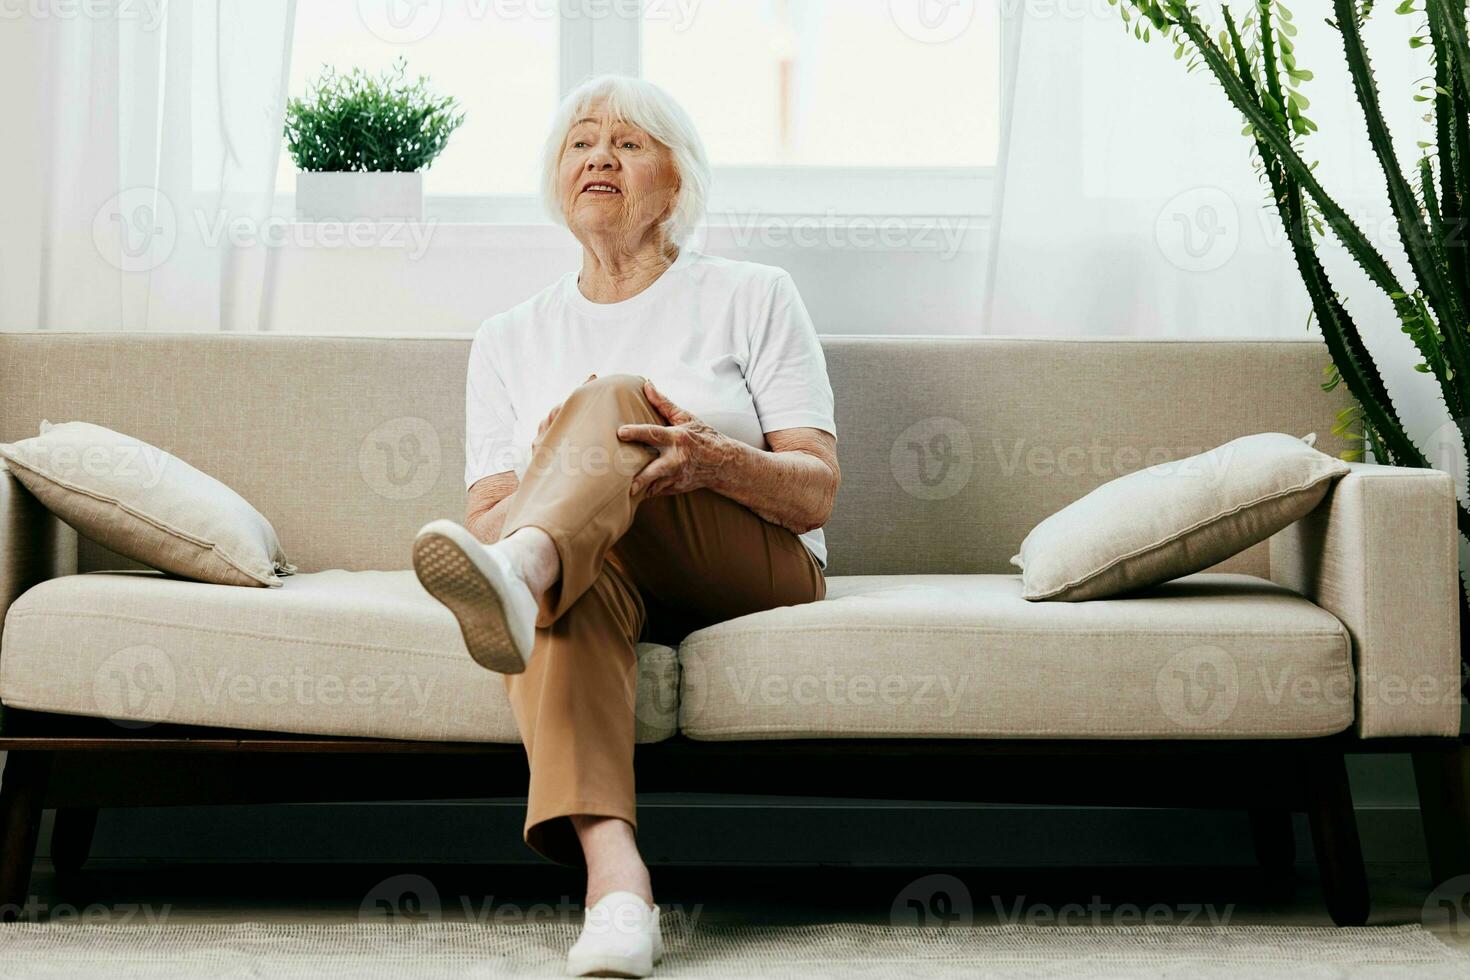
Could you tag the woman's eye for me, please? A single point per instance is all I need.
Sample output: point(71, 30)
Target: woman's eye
point(629, 145)
point(578, 144)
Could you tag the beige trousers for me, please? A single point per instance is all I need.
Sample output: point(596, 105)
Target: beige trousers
point(632, 568)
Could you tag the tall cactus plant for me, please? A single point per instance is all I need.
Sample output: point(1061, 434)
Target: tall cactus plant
point(1253, 58)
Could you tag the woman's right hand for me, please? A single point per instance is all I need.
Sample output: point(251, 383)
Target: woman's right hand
point(556, 410)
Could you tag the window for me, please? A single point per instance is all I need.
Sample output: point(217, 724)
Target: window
point(806, 106)
point(503, 70)
point(829, 83)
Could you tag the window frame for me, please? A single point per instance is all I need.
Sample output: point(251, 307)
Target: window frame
point(590, 46)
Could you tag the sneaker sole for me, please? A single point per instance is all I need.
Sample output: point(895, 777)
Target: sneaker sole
point(451, 577)
point(608, 965)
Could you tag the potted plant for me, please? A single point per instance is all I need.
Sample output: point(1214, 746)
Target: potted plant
point(361, 144)
point(1254, 61)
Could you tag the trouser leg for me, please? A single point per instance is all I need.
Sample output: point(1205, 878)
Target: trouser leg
point(698, 557)
point(576, 486)
point(574, 706)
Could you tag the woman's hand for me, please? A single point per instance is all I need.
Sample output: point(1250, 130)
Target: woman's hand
point(690, 452)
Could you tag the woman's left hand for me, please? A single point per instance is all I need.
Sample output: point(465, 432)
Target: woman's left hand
point(690, 452)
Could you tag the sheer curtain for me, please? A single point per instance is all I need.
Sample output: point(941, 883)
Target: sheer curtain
point(1128, 205)
point(149, 136)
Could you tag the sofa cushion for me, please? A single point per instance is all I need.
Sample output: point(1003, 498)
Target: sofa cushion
point(965, 656)
point(148, 505)
point(332, 653)
point(1175, 518)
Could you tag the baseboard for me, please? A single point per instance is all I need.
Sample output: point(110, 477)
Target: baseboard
point(685, 831)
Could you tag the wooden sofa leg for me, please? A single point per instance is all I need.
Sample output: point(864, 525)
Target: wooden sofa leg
point(22, 788)
point(1275, 840)
point(1443, 779)
point(1335, 838)
point(71, 837)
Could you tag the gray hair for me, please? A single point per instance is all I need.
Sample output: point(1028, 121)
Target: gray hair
point(645, 105)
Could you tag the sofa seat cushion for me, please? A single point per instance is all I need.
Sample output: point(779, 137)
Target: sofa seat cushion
point(965, 656)
point(331, 653)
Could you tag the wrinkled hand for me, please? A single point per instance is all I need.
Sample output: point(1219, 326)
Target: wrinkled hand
point(690, 452)
point(555, 411)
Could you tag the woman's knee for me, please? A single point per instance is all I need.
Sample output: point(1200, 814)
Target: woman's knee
point(628, 383)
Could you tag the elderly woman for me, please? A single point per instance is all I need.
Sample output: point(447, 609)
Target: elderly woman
point(651, 450)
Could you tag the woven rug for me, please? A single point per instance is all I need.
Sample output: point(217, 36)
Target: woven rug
point(453, 949)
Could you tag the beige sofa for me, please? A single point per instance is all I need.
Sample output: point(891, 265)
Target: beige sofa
point(1339, 634)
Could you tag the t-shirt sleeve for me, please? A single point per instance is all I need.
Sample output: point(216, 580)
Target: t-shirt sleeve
point(787, 372)
point(489, 417)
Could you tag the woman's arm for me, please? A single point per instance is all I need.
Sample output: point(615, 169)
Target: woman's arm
point(489, 499)
point(793, 485)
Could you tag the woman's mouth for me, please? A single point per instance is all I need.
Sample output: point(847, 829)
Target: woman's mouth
point(600, 189)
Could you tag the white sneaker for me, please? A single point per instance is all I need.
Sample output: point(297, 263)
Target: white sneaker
point(494, 606)
point(620, 938)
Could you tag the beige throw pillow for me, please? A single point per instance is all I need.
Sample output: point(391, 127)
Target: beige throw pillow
point(1174, 519)
point(147, 505)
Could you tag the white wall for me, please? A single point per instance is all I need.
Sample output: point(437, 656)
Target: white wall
point(929, 278)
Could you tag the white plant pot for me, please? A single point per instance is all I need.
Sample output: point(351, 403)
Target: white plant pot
point(358, 196)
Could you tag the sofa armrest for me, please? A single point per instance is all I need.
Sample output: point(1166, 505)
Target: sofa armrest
point(1380, 554)
point(34, 544)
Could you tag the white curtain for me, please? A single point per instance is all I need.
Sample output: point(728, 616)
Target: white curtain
point(148, 135)
point(1127, 203)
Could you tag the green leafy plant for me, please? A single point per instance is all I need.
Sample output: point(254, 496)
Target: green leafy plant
point(358, 122)
point(1253, 57)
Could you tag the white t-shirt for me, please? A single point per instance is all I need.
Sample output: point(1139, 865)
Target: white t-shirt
point(730, 342)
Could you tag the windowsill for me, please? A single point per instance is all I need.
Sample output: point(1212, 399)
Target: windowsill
point(747, 196)
point(944, 235)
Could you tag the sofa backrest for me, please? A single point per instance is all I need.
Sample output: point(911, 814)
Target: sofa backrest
point(951, 448)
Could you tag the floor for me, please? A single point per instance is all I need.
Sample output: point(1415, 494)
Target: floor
point(1093, 896)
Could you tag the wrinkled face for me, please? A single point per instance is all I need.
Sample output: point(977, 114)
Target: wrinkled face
point(615, 179)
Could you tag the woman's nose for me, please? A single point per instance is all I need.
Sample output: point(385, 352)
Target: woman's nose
point(601, 159)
